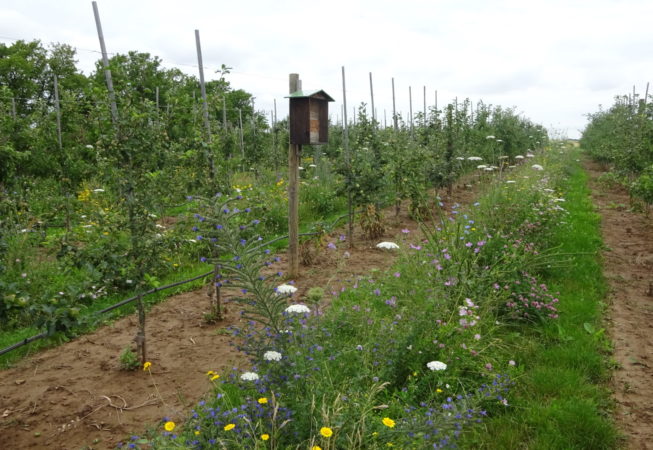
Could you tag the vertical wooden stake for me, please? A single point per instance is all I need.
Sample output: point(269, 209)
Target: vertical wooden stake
point(410, 103)
point(372, 96)
point(58, 109)
point(394, 107)
point(105, 63)
point(140, 336)
point(345, 142)
point(293, 196)
point(13, 108)
point(424, 105)
point(242, 143)
point(205, 105)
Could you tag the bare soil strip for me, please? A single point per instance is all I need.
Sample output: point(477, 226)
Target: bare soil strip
point(628, 260)
point(75, 396)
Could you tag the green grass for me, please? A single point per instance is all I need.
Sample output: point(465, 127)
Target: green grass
point(562, 400)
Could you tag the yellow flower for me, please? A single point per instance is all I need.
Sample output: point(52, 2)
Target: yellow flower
point(326, 432)
point(197, 432)
point(388, 422)
point(262, 400)
point(169, 426)
point(209, 373)
point(390, 444)
point(147, 365)
point(265, 437)
point(229, 426)
point(316, 447)
point(438, 390)
point(215, 377)
point(375, 434)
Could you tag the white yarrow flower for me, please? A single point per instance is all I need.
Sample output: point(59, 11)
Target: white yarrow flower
point(298, 309)
point(98, 190)
point(249, 376)
point(436, 365)
point(519, 157)
point(474, 158)
point(537, 167)
point(490, 137)
point(481, 166)
point(387, 245)
point(286, 289)
point(271, 355)
point(510, 181)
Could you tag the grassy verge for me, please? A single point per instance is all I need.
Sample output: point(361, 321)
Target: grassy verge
point(468, 325)
point(562, 400)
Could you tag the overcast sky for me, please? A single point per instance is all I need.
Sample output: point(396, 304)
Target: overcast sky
point(554, 61)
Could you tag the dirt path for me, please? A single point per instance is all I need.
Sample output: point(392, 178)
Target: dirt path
point(628, 260)
point(75, 396)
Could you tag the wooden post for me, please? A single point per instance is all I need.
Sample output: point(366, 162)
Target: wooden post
point(13, 108)
point(436, 99)
point(345, 143)
point(140, 335)
point(157, 100)
point(372, 96)
point(205, 104)
point(293, 196)
point(424, 105)
point(240, 124)
point(105, 63)
point(224, 112)
point(410, 106)
point(58, 109)
point(394, 107)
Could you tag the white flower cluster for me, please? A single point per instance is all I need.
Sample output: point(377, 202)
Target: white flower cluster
point(537, 167)
point(387, 245)
point(249, 376)
point(271, 355)
point(286, 289)
point(436, 365)
point(298, 309)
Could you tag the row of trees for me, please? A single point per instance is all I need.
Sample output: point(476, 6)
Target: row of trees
point(144, 164)
point(622, 137)
point(164, 103)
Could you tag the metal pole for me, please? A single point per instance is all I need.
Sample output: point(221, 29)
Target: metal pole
point(105, 63)
point(345, 142)
point(58, 109)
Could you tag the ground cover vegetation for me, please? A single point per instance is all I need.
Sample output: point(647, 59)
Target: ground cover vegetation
point(109, 212)
point(622, 138)
point(466, 341)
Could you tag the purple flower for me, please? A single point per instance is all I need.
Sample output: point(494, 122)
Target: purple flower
point(405, 231)
point(331, 245)
point(342, 237)
point(397, 274)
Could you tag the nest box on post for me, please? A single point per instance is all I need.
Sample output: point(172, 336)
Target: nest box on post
point(309, 117)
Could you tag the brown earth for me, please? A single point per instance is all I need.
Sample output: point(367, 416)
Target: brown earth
point(75, 396)
point(628, 260)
